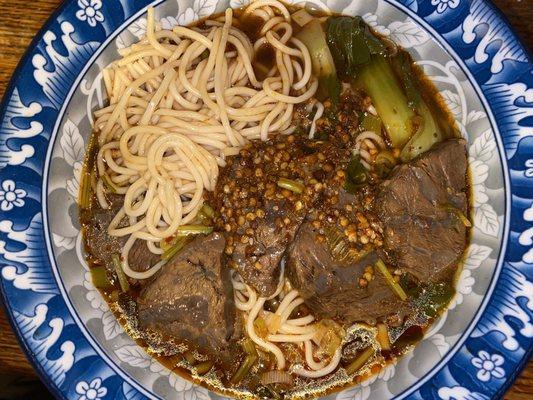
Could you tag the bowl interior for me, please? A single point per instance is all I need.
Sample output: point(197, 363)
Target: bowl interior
point(488, 202)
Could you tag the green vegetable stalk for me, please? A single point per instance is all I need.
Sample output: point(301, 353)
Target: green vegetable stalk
point(426, 136)
point(313, 37)
point(363, 58)
point(379, 81)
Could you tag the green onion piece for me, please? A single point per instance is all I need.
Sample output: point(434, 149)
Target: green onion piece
point(273, 323)
point(186, 230)
point(356, 175)
point(328, 336)
point(109, 183)
point(207, 211)
point(122, 279)
point(168, 242)
point(243, 370)
point(291, 185)
point(113, 297)
point(383, 337)
point(395, 286)
point(84, 196)
point(261, 328)
point(84, 199)
point(371, 123)
point(92, 152)
point(249, 361)
point(459, 214)
point(99, 276)
point(302, 17)
point(464, 219)
point(174, 249)
point(189, 356)
point(204, 367)
point(333, 343)
point(249, 347)
point(385, 162)
point(360, 360)
point(204, 55)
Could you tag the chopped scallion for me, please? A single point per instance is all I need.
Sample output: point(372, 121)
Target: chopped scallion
point(109, 183)
point(356, 175)
point(248, 362)
point(85, 191)
point(371, 123)
point(122, 279)
point(273, 323)
point(113, 297)
point(249, 347)
point(187, 230)
point(395, 286)
point(289, 184)
point(460, 215)
point(243, 370)
point(207, 211)
point(174, 248)
point(360, 360)
point(204, 367)
point(189, 356)
point(260, 327)
point(383, 337)
point(100, 280)
point(302, 17)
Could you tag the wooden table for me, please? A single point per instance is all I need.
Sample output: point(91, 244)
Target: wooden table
point(18, 25)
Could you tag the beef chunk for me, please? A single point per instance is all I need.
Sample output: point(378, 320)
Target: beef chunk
point(258, 261)
point(102, 246)
point(418, 208)
point(331, 286)
point(191, 300)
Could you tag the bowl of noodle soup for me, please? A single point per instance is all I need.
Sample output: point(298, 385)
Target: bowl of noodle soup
point(160, 97)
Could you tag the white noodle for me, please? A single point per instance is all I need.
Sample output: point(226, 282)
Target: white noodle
point(333, 363)
point(180, 102)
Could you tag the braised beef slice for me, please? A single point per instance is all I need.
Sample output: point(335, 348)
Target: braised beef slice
point(99, 243)
point(102, 246)
point(418, 207)
point(259, 263)
point(260, 218)
point(331, 286)
point(191, 300)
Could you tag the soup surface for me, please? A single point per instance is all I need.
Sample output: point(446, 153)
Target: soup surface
point(274, 203)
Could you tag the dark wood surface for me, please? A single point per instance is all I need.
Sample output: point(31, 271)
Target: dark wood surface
point(20, 21)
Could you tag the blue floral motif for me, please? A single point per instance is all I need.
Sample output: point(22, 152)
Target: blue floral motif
point(529, 166)
point(10, 196)
point(91, 391)
point(489, 366)
point(90, 11)
point(443, 5)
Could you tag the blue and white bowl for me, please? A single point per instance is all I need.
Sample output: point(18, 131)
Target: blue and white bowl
point(476, 348)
